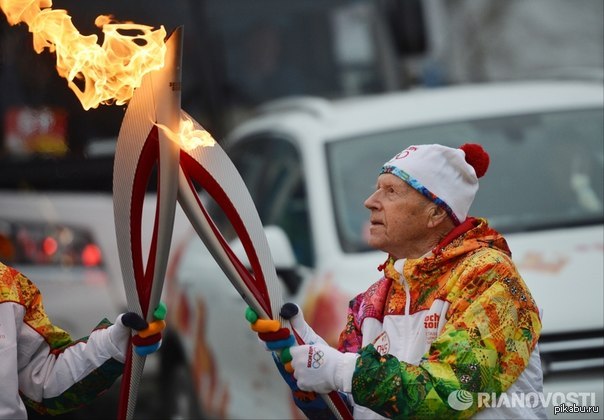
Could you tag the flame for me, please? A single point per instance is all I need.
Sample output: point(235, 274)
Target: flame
point(97, 74)
point(189, 137)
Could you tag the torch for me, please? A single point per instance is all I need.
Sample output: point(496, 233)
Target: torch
point(211, 168)
point(192, 158)
point(141, 146)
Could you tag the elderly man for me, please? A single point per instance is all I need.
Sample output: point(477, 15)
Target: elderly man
point(449, 322)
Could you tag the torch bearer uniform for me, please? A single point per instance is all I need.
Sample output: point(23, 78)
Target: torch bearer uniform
point(459, 322)
point(40, 364)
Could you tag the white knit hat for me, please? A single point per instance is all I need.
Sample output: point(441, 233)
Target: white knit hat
point(446, 176)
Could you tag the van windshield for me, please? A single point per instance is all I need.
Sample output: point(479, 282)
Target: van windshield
point(545, 172)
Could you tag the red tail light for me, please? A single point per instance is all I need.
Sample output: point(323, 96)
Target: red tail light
point(91, 255)
point(40, 243)
point(49, 246)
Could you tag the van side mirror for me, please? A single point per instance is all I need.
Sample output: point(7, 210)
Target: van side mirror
point(283, 257)
point(282, 252)
point(281, 247)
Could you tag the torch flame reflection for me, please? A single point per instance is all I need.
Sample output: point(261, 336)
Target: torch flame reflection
point(189, 137)
point(98, 74)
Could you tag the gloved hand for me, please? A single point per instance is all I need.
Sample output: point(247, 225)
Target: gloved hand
point(293, 313)
point(148, 338)
point(279, 339)
point(322, 369)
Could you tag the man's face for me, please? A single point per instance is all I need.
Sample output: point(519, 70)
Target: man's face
point(398, 220)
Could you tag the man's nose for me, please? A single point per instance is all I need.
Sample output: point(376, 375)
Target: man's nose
point(371, 202)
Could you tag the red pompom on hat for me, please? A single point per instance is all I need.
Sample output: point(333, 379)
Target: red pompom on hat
point(477, 158)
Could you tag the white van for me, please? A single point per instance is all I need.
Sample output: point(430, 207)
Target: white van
point(309, 164)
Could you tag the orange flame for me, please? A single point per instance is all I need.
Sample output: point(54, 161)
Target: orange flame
point(107, 73)
point(189, 137)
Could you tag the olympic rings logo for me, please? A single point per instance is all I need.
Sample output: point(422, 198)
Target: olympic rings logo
point(318, 359)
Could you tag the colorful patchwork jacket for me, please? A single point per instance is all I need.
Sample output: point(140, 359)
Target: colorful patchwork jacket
point(440, 335)
point(40, 364)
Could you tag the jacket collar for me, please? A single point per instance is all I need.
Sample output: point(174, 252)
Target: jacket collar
point(472, 234)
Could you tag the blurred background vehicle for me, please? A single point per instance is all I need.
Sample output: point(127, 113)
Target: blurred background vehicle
point(310, 163)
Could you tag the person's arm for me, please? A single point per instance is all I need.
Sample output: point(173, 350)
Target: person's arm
point(52, 373)
point(483, 348)
point(55, 380)
point(351, 338)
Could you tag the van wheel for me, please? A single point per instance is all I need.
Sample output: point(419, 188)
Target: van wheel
point(180, 403)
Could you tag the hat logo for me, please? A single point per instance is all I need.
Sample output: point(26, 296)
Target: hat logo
point(405, 152)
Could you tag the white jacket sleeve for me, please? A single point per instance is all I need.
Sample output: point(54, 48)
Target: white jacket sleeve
point(54, 376)
point(11, 405)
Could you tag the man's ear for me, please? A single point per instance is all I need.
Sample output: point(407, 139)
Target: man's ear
point(436, 216)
